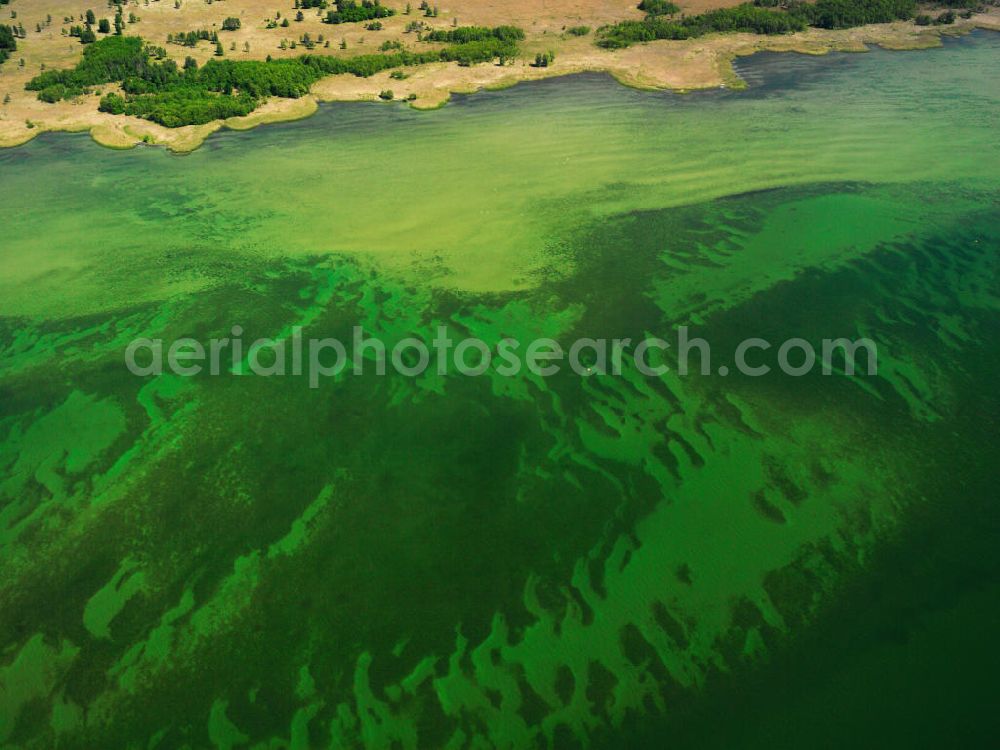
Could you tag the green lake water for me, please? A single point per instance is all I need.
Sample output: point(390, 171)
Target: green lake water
point(448, 561)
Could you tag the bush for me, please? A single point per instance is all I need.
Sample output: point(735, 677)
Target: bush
point(113, 104)
point(922, 20)
point(578, 30)
point(386, 94)
point(948, 17)
point(231, 24)
point(544, 59)
point(55, 93)
point(659, 7)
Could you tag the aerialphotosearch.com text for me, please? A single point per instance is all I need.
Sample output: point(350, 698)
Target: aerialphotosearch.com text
point(319, 359)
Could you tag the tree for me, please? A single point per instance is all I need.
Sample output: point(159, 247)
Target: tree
point(119, 23)
point(104, 26)
point(91, 18)
point(219, 52)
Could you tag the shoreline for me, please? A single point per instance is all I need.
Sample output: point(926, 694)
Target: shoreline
point(680, 66)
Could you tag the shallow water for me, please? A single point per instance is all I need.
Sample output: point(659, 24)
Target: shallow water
point(491, 562)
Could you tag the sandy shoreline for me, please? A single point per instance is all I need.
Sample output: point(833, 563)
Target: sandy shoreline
point(688, 65)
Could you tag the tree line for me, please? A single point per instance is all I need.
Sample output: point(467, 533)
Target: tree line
point(463, 34)
point(349, 11)
point(191, 38)
point(756, 17)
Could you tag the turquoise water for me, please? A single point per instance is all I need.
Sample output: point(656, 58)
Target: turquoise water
point(702, 561)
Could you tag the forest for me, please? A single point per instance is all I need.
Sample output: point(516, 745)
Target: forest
point(164, 93)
